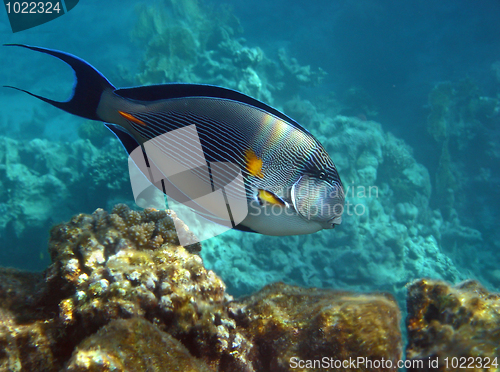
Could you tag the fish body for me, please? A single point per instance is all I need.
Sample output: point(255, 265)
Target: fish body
point(291, 185)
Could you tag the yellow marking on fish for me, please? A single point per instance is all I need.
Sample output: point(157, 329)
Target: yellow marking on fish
point(132, 119)
point(270, 198)
point(253, 164)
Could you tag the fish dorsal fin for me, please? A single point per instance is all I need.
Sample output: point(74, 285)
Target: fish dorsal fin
point(179, 90)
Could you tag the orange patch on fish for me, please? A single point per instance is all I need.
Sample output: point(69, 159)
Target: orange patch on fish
point(269, 197)
point(253, 164)
point(132, 118)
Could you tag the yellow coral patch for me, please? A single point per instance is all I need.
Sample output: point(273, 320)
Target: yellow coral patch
point(132, 118)
point(253, 164)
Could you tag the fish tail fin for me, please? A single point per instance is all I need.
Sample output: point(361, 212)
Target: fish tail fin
point(88, 88)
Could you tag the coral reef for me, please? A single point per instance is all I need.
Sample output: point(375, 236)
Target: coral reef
point(462, 321)
point(120, 281)
point(121, 294)
point(398, 226)
point(464, 121)
point(392, 232)
point(111, 266)
point(95, 132)
point(182, 45)
point(44, 182)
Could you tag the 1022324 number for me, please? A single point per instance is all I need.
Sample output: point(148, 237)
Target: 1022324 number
point(33, 7)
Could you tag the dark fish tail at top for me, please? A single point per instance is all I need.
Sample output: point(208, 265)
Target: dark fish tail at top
point(88, 88)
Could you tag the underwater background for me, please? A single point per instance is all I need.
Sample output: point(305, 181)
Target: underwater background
point(404, 96)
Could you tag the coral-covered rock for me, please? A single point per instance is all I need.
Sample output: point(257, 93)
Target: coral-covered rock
point(133, 345)
point(130, 264)
point(288, 324)
point(462, 321)
point(114, 266)
point(123, 295)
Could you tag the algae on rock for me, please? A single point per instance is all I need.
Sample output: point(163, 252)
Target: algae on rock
point(453, 322)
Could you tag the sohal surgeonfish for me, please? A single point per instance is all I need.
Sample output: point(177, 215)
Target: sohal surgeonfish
point(290, 183)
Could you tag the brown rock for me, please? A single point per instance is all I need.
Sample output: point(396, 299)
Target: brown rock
point(445, 321)
point(286, 322)
point(133, 345)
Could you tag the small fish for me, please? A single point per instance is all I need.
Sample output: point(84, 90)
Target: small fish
point(291, 185)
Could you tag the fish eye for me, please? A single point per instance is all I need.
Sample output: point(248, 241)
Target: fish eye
point(322, 176)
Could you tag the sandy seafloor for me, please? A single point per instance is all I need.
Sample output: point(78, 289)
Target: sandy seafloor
point(391, 55)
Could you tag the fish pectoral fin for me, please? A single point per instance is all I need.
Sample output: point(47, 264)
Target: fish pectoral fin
point(269, 197)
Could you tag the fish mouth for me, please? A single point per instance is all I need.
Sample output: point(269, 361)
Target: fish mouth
point(331, 223)
point(335, 221)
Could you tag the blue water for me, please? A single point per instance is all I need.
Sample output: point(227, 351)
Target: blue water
point(435, 216)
